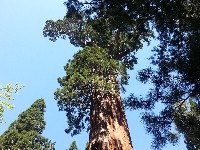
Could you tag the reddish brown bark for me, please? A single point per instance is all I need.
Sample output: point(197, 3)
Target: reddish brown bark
point(108, 124)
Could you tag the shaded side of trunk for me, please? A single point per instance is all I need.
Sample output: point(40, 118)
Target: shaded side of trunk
point(108, 124)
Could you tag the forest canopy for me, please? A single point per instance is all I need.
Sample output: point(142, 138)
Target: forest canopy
point(121, 28)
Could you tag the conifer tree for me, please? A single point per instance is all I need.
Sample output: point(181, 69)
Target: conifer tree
point(73, 146)
point(87, 146)
point(25, 132)
point(174, 72)
point(120, 26)
point(187, 121)
point(90, 90)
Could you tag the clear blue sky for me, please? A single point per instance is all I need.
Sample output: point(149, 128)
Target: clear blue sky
point(29, 58)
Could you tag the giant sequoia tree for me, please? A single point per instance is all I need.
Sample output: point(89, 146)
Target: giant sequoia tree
point(90, 90)
point(25, 132)
point(116, 29)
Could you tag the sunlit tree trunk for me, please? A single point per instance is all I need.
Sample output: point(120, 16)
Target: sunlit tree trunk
point(108, 124)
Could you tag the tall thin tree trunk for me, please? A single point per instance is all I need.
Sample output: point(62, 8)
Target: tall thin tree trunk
point(108, 124)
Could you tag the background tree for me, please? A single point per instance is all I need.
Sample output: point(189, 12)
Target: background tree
point(87, 146)
point(25, 132)
point(6, 93)
point(174, 71)
point(90, 92)
point(187, 121)
point(73, 146)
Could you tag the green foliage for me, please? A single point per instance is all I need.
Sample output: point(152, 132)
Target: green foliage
point(187, 121)
point(6, 93)
point(73, 146)
point(87, 146)
point(96, 23)
point(25, 132)
point(174, 70)
point(89, 73)
point(109, 45)
point(120, 27)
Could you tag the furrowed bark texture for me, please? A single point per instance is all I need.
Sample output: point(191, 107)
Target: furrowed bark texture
point(108, 124)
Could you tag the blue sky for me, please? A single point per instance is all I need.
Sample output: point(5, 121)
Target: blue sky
point(29, 58)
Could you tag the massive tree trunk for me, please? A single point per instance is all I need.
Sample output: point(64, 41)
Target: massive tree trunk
point(108, 124)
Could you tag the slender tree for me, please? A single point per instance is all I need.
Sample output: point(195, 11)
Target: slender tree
point(73, 146)
point(25, 132)
point(90, 90)
point(87, 146)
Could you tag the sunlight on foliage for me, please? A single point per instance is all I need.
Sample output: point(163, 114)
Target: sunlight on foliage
point(6, 93)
